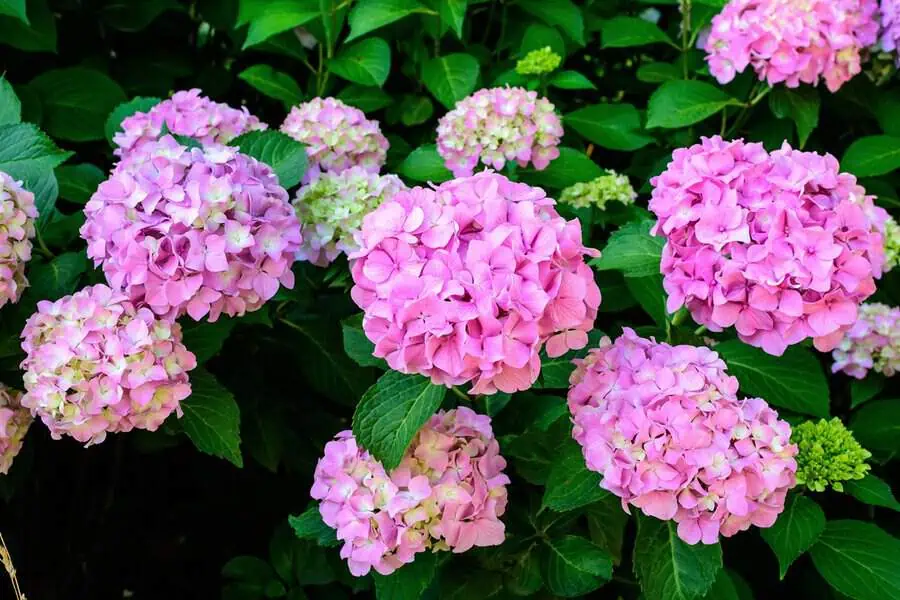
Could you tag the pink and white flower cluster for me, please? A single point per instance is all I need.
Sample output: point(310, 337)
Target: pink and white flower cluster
point(782, 246)
point(337, 137)
point(96, 364)
point(185, 113)
point(448, 493)
point(664, 427)
point(872, 342)
point(17, 216)
point(497, 125)
point(14, 423)
point(792, 41)
point(199, 231)
point(466, 281)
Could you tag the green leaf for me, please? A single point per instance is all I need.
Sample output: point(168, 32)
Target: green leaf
point(570, 167)
point(668, 568)
point(407, 583)
point(658, 72)
point(559, 13)
point(273, 84)
point(650, 294)
point(10, 107)
point(76, 102)
point(53, 280)
point(876, 425)
point(284, 154)
point(212, 418)
point(26, 151)
point(613, 126)
point(873, 491)
point(250, 569)
point(392, 411)
point(46, 190)
point(570, 484)
point(270, 17)
point(285, 43)
point(574, 566)
point(624, 32)
point(632, 250)
point(369, 15)
point(606, 524)
point(37, 35)
point(357, 345)
point(859, 560)
point(539, 36)
point(309, 526)
point(795, 531)
point(863, 390)
point(685, 102)
point(800, 105)
point(135, 15)
point(61, 230)
point(367, 62)
point(14, 8)
point(426, 165)
point(126, 109)
point(366, 99)
point(524, 577)
point(793, 381)
point(453, 12)
point(496, 402)
point(77, 183)
point(451, 78)
point(571, 80)
point(872, 155)
point(415, 110)
point(206, 339)
point(723, 588)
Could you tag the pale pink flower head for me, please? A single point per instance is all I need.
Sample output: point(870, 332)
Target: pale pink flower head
point(448, 493)
point(792, 41)
point(200, 231)
point(782, 246)
point(871, 343)
point(17, 216)
point(189, 114)
point(467, 281)
point(15, 420)
point(336, 136)
point(96, 364)
point(664, 427)
point(496, 126)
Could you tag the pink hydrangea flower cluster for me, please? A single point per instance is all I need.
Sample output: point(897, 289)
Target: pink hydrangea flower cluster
point(337, 137)
point(15, 420)
point(782, 246)
point(199, 231)
point(497, 125)
point(872, 342)
point(664, 427)
point(17, 215)
point(890, 26)
point(466, 281)
point(94, 363)
point(448, 493)
point(185, 113)
point(792, 41)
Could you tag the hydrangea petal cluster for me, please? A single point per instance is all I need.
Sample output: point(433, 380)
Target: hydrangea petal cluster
point(611, 187)
point(189, 114)
point(448, 493)
point(94, 363)
point(664, 427)
point(199, 231)
point(792, 41)
point(782, 246)
point(891, 234)
point(337, 137)
point(17, 216)
point(890, 26)
point(467, 281)
point(538, 62)
point(15, 420)
point(497, 125)
point(871, 343)
point(332, 207)
point(828, 455)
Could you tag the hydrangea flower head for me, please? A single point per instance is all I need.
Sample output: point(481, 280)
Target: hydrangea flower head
point(15, 420)
point(199, 231)
point(890, 26)
point(331, 210)
point(538, 62)
point(664, 427)
point(189, 114)
point(829, 455)
point(781, 246)
point(448, 493)
point(871, 343)
point(497, 125)
point(94, 363)
point(891, 233)
point(17, 216)
point(611, 187)
point(792, 41)
point(467, 281)
point(337, 137)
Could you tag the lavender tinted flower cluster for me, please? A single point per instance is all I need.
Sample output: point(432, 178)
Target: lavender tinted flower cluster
point(871, 343)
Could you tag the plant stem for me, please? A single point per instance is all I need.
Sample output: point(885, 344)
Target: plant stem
point(685, 6)
point(461, 394)
point(42, 246)
point(700, 330)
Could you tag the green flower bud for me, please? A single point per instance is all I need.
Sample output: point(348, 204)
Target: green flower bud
point(891, 244)
point(611, 187)
point(538, 62)
point(828, 455)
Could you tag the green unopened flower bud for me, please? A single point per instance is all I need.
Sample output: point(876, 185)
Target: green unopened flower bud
point(891, 244)
point(538, 62)
point(828, 455)
point(611, 187)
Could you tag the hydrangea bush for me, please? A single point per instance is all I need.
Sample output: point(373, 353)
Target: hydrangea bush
point(439, 299)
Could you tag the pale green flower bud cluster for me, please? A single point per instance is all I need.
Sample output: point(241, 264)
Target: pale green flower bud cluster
point(611, 187)
point(539, 62)
point(891, 244)
point(828, 455)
